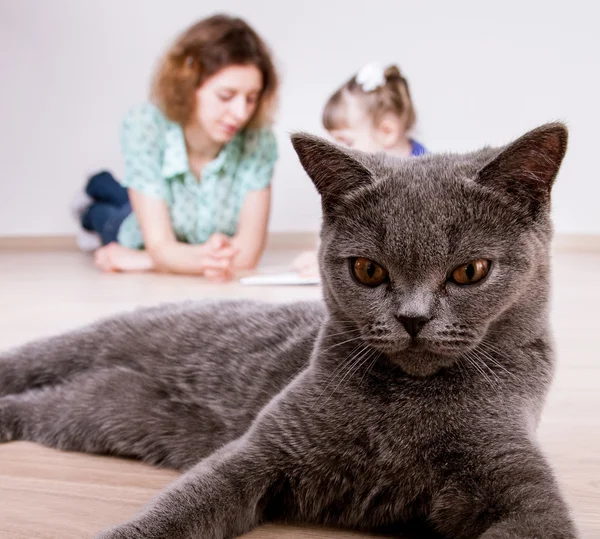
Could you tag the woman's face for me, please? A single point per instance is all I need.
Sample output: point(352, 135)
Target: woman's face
point(227, 100)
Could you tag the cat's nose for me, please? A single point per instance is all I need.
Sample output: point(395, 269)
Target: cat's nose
point(413, 324)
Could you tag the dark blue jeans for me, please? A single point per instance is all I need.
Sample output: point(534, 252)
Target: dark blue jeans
point(110, 207)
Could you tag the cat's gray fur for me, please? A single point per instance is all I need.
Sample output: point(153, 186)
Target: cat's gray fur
point(330, 413)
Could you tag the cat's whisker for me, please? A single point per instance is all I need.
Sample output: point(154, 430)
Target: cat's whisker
point(368, 369)
point(329, 348)
point(352, 369)
point(346, 324)
point(347, 367)
point(356, 330)
point(489, 357)
point(493, 350)
point(474, 365)
point(359, 349)
point(356, 351)
point(492, 347)
point(474, 362)
point(492, 372)
point(498, 364)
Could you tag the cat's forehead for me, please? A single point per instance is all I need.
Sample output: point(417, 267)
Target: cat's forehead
point(428, 189)
point(441, 168)
point(426, 207)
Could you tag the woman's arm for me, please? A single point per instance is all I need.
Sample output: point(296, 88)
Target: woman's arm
point(166, 252)
point(251, 234)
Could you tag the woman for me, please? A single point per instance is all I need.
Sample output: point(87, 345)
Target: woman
point(198, 161)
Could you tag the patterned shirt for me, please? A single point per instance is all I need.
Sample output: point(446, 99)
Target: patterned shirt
point(156, 165)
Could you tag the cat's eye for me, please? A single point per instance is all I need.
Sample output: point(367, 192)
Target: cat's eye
point(471, 272)
point(368, 272)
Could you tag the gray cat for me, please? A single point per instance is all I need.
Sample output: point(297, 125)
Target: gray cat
point(406, 403)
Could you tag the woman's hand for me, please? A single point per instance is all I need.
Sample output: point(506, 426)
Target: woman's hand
point(218, 256)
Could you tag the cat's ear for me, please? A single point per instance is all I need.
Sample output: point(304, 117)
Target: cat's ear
point(525, 170)
point(333, 170)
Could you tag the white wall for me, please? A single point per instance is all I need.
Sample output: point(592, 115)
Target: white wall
point(480, 72)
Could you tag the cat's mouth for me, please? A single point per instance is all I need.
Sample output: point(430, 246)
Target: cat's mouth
point(419, 361)
point(424, 357)
point(445, 348)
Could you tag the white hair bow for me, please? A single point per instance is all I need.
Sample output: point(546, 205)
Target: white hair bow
point(371, 77)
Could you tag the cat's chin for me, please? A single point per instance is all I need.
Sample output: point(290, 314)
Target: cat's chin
point(421, 363)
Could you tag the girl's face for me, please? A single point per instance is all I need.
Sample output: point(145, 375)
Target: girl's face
point(361, 137)
point(227, 100)
point(361, 133)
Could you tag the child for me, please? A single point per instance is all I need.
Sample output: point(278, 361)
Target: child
point(198, 161)
point(371, 112)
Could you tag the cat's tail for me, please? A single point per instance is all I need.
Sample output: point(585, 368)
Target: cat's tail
point(55, 360)
point(133, 340)
point(44, 362)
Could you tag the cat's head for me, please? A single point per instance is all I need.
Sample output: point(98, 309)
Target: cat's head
point(429, 256)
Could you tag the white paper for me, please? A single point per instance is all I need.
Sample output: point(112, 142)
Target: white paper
point(279, 279)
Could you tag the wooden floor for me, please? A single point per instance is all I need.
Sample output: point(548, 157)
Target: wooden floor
point(46, 494)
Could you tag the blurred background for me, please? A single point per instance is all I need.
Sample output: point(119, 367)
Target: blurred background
point(480, 73)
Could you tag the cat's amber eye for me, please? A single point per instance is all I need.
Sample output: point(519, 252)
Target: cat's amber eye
point(367, 272)
point(471, 272)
